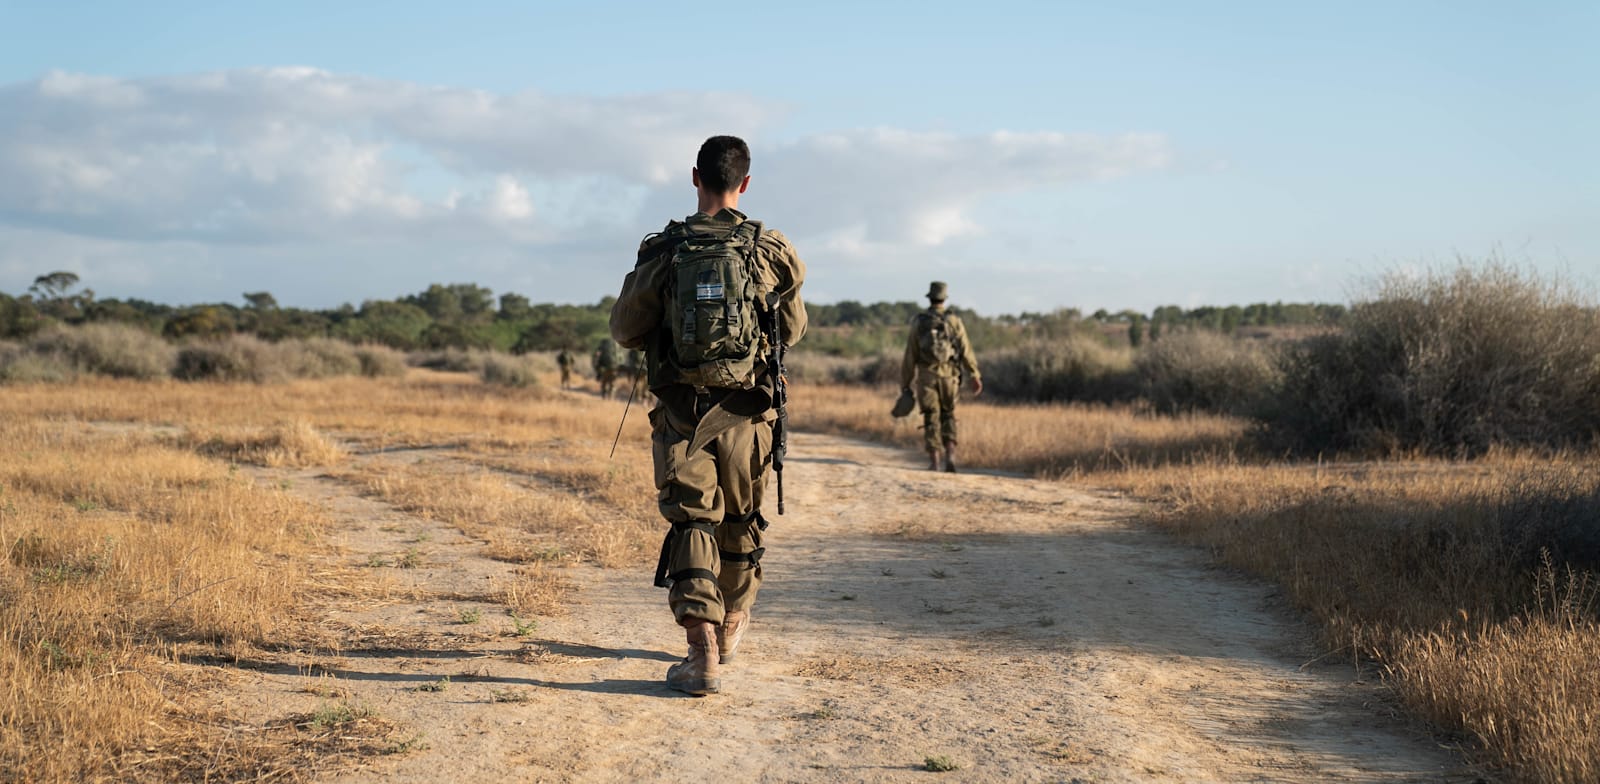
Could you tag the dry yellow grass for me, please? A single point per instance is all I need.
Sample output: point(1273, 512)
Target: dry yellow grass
point(123, 547)
point(1430, 569)
point(131, 540)
point(1045, 440)
point(119, 554)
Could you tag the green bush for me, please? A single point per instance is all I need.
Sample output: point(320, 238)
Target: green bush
point(1449, 363)
point(1204, 370)
point(117, 350)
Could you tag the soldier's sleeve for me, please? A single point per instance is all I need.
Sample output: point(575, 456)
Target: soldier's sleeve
point(789, 273)
point(908, 366)
point(638, 309)
point(969, 360)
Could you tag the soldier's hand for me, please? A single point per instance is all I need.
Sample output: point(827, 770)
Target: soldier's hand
point(977, 386)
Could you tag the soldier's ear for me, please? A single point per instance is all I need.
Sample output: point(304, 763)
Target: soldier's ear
point(694, 175)
point(744, 183)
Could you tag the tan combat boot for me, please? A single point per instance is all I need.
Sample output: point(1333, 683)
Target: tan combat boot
point(730, 632)
point(698, 673)
point(933, 459)
point(950, 458)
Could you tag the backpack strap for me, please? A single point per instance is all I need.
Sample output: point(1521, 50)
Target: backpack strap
point(660, 243)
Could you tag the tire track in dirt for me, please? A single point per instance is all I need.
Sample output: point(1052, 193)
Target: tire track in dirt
point(1025, 630)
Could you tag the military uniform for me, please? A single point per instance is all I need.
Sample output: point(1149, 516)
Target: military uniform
point(937, 351)
point(711, 496)
point(565, 361)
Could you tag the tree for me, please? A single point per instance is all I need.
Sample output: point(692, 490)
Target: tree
point(51, 290)
point(53, 285)
point(261, 300)
point(1136, 330)
point(514, 307)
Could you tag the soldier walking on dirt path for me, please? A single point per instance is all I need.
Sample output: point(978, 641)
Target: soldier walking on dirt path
point(722, 278)
point(566, 362)
point(605, 366)
point(937, 351)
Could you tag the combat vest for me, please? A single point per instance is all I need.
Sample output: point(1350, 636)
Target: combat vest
point(935, 347)
point(712, 303)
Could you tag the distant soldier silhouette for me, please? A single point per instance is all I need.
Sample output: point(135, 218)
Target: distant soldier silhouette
point(937, 352)
point(566, 361)
point(605, 366)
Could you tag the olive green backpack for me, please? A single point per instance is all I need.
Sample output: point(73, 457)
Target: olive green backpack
point(933, 335)
point(713, 302)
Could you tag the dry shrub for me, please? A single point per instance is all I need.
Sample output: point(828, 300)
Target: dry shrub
point(18, 365)
point(117, 552)
point(510, 371)
point(814, 368)
point(1449, 363)
point(1072, 367)
point(294, 445)
point(1200, 370)
point(117, 350)
point(248, 358)
point(454, 360)
point(379, 361)
point(233, 358)
point(319, 358)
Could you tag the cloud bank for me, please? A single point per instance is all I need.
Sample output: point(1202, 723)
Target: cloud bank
point(231, 168)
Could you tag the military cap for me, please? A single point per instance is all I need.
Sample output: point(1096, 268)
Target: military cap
point(938, 291)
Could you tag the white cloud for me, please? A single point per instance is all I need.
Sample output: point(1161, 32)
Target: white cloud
point(298, 157)
point(889, 187)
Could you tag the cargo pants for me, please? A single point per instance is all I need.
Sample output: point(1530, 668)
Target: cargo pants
point(936, 396)
point(712, 499)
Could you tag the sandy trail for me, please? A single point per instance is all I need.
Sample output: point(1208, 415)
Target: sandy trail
point(1025, 630)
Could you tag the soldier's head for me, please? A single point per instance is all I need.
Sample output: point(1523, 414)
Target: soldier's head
point(723, 166)
point(938, 292)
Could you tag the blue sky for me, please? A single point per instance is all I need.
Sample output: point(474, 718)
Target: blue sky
point(1036, 155)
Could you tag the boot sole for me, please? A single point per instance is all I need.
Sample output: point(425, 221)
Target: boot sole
point(698, 687)
point(725, 658)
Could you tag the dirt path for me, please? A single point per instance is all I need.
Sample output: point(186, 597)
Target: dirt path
point(1024, 630)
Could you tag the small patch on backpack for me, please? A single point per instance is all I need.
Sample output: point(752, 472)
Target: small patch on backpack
point(708, 287)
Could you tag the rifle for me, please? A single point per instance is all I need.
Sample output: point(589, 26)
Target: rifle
point(780, 393)
point(631, 389)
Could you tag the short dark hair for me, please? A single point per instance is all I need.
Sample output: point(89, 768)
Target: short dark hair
point(723, 163)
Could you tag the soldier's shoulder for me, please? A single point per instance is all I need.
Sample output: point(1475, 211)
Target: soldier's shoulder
point(774, 240)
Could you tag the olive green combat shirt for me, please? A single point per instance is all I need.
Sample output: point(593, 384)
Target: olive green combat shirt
point(958, 340)
point(639, 309)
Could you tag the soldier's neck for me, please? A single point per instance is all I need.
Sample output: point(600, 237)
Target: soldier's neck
point(713, 203)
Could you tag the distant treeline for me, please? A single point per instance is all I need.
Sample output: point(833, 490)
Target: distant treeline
point(468, 316)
